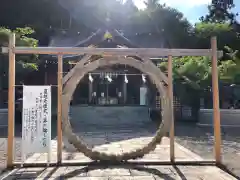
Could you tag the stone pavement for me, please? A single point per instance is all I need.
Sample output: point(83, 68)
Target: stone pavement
point(160, 153)
point(121, 173)
point(200, 140)
point(118, 172)
point(124, 132)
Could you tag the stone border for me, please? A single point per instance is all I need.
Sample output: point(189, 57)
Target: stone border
point(3, 110)
point(73, 81)
point(229, 117)
point(3, 117)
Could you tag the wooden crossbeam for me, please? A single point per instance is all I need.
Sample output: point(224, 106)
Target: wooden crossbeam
point(59, 109)
point(112, 51)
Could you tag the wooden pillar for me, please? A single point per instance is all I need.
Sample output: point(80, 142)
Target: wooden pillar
point(45, 73)
point(59, 107)
point(124, 91)
point(170, 95)
point(90, 91)
point(216, 110)
point(11, 101)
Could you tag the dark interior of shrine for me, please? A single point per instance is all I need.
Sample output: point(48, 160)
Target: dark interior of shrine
point(114, 86)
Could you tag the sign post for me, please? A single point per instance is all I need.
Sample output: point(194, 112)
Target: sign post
point(36, 120)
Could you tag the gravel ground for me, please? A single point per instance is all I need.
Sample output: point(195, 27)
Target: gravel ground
point(201, 141)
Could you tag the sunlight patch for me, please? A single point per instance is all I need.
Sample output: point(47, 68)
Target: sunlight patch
point(174, 3)
point(188, 3)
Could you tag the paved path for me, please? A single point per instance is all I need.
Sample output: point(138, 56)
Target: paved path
point(121, 172)
point(200, 140)
point(124, 136)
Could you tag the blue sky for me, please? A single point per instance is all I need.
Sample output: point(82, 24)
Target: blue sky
point(192, 9)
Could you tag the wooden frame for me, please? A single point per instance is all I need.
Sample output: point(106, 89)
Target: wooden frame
point(216, 112)
point(170, 94)
point(12, 50)
point(112, 51)
point(11, 100)
point(59, 110)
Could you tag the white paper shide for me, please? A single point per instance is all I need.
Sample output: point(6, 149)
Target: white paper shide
point(36, 119)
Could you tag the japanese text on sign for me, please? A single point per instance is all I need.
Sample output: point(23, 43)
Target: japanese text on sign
point(36, 121)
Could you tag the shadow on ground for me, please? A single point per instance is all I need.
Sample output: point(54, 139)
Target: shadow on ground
point(108, 172)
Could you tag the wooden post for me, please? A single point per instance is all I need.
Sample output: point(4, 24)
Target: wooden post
point(45, 73)
point(170, 95)
point(124, 91)
point(11, 101)
point(59, 116)
point(216, 110)
point(90, 91)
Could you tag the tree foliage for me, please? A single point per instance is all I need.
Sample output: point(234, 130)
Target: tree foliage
point(24, 63)
point(226, 35)
point(220, 11)
point(38, 15)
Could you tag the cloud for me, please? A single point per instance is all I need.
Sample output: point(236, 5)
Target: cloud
point(192, 9)
point(185, 3)
point(176, 3)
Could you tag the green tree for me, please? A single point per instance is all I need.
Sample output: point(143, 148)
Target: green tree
point(229, 70)
point(226, 35)
point(42, 16)
point(191, 76)
point(158, 20)
point(220, 11)
point(24, 63)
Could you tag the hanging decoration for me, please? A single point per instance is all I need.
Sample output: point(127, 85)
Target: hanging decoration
point(90, 77)
point(143, 78)
point(107, 35)
point(125, 79)
point(108, 78)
